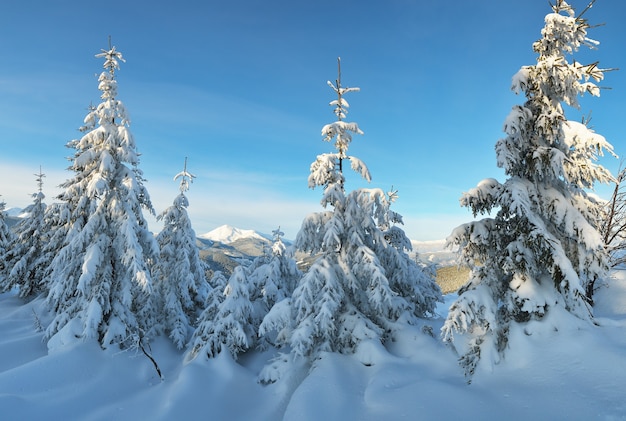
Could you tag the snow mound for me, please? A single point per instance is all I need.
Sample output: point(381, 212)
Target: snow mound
point(227, 234)
point(570, 374)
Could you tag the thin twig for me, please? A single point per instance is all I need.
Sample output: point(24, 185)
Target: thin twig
point(589, 6)
point(156, 366)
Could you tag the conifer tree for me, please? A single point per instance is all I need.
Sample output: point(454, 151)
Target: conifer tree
point(351, 292)
point(541, 253)
point(6, 238)
point(272, 279)
point(613, 228)
point(275, 274)
point(227, 322)
point(179, 274)
point(100, 283)
point(24, 259)
point(232, 320)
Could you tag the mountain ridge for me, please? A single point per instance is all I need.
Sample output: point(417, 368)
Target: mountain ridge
point(228, 234)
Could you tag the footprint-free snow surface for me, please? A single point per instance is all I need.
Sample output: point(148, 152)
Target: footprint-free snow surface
point(577, 372)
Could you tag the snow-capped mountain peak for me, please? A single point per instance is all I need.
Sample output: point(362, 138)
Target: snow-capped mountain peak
point(227, 234)
point(16, 212)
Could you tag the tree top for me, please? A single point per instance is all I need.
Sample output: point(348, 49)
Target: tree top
point(112, 57)
point(185, 178)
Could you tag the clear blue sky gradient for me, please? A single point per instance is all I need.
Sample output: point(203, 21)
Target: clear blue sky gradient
point(239, 87)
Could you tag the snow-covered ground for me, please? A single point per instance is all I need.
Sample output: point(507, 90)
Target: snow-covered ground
point(570, 374)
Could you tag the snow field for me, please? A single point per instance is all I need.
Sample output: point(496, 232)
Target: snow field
point(574, 374)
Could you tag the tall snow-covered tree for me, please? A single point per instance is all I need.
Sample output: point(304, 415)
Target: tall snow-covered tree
point(179, 274)
point(614, 226)
point(6, 238)
point(361, 283)
point(25, 258)
point(100, 283)
point(541, 252)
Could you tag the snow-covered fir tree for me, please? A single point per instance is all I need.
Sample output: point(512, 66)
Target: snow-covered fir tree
point(275, 274)
point(6, 238)
point(272, 279)
point(214, 299)
point(362, 283)
point(614, 226)
point(227, 322)
point(541, 252)
point(100, 283)
point(232, 320)
point(179, 274)
point(25, 258)
point(407, 277)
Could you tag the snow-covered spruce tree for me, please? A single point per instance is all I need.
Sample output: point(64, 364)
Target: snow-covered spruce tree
point(179, 274)
point(407, 277)
point(57, 220)
point(613, 228)
point(272, 279)
point(25, 259)
point(100, 283)
point(6, 238)
point(361, 283)
point(232, 321)
point(275, 275)
point(227, 322)
point(541, 253)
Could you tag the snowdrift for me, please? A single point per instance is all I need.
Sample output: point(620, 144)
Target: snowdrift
point(573, 373)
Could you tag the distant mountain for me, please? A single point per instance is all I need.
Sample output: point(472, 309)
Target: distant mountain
point(13, 216)
point(16, 212)
point(226, 247)
point(227, 235)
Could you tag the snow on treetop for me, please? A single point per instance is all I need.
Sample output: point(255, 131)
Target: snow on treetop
point(185, 178)
point(227, 234)
point(112, 57)
point(564, 32)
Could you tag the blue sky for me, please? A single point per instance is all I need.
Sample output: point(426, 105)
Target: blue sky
point(239, 87)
